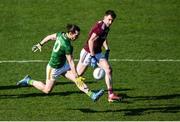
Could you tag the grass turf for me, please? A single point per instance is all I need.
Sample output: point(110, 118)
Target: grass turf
point(143, 30)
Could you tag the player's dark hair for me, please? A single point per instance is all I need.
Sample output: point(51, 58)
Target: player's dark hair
point(110, 12)
point(72, 28)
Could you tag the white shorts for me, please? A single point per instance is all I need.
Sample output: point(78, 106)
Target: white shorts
point(52, 73)
point(85, 57)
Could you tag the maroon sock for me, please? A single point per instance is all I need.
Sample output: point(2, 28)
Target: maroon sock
point(110, 91)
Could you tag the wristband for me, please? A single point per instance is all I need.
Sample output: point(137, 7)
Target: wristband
point(40, 44)
point(108, 50)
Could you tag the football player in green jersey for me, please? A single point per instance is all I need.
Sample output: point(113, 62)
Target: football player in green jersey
point(61, 63)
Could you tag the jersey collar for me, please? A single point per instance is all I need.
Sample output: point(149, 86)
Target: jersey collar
point(64, 35)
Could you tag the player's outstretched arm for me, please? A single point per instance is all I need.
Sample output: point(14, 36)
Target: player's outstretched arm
point(72, 64)
point(94, 61)
point(79, 81)
point(93, 37)
point(45, 40)
point(105, 45)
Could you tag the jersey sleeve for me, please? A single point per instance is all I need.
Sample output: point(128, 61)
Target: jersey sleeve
point(97, 29)
point(58, 34)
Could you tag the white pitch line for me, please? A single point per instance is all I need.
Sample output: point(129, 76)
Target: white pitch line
point(145, 60)
point(23, 61)
point(112, 60)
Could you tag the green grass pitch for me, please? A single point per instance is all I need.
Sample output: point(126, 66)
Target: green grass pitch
point(144, 29)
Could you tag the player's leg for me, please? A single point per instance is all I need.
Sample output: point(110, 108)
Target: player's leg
point(83, 62)
point(40, 85)
point(50, 80)
point(81, 68)
point(103, 63)
point(46, 88)
point(83, 87)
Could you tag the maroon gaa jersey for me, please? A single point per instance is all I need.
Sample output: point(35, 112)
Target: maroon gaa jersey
point(102, 31)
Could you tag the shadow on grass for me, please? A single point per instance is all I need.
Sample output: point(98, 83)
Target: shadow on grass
point(174, 108)
point(129, 99)
point(57, 83)
point(136, 111)
point(162, 97)
point(121, 89)
point(16, 96)
point(8, 87)
point(70, 82)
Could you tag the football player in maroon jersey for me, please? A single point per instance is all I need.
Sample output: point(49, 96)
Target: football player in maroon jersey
point(92, 55)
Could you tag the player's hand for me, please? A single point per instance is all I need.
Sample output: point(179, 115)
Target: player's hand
point(106, 55)
point(37, 47)
point(80, 81)
point(93, 61)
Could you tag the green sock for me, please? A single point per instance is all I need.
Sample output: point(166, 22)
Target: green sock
point(89, 93)
point(30, 82)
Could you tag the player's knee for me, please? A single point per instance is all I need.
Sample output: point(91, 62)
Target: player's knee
point(47, 91)
point(108, 70)
point(80, 69)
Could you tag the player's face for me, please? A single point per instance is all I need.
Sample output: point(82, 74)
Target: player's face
point(108, 20)
point(74, 36)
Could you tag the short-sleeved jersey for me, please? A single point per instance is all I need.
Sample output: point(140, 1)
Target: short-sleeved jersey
point(62, 47)
point(102, 31)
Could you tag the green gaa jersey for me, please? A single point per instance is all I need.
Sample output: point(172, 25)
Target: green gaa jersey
point(62, 47)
